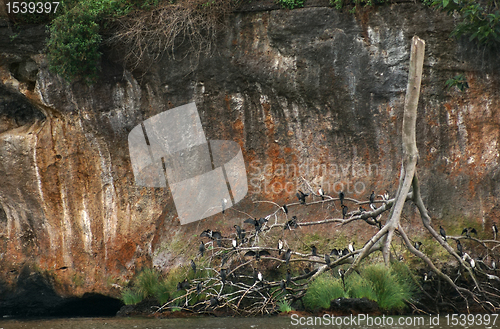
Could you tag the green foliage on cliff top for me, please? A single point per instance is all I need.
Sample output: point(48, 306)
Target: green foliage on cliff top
point(479, 20)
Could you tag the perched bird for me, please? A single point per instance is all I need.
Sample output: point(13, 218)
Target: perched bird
point(321, 193)
point(285, 209)
point(223, 275)
point(344, 211)
point(224, 203)
point(283, 285)
point(342, 274)
point(345, 252)
point(193, 266)
point(472, 263)
point(280, 246)
point(234, 243)
point(417, 245)
point(199, 287)
point(288, 276)
point(372, 207)
point(257, 253)
point(313, 250)
point(351, 247)
point(302, 196)
point(260, 277)
point(214, 301)
point(327, 259)
point(224, 259)
point(494, 265)
point(335, 252)
point(468, 231)
point(495, 230)
point(362, 210)
point(372, 197)
point(341, 197)
point(201, 248)
point(386, 195)
point(183, 285)
point(239, 231)
point(213, 235)
point(257, 223)
point(292, 223)
point(460, 248)
point(442, 232)
point(288, 255)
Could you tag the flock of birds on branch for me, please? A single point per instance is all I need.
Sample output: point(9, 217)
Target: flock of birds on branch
point(242, 238)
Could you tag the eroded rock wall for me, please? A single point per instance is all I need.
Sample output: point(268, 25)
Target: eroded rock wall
point(310, 92)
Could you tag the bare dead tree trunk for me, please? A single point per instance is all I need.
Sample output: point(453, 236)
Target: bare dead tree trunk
point(410, 151)
point(410, 155)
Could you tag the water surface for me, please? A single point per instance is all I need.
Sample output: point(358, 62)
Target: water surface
point(287, 322)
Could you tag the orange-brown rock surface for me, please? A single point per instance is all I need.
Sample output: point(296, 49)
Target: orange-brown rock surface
point(309, 92)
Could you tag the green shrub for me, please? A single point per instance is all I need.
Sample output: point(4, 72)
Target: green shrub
point(322, 291)
point(358, 287)
point(284, 306)
point(391, 290)
point(479, 20)
point(291, 4)
point(131, 296)
point(147, 283)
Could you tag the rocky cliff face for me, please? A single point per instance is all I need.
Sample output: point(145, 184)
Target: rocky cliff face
point(309, 92)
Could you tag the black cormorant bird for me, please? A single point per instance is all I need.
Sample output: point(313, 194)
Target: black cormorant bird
point(417, 245)
point(285, 209)
point(257, 223)
point(213, 235)
point(283, 285)
point(372, 197)
point(239, 231)
point(292, 223)
point(302, 196)
point(280, 246)
point(193, 265)
point(345, 252)
point(257, 254)
point(214, 301)
point(386, 195)
point(183, 285)
point(342, 274)
point(327, 259)
point(468, 231)
point(223, 275)
point(460, 248)
point(321, 193)
point(224, 203)
point(288, 276)
point(199, 287)
point(495, 230)
point(288, 254)
point(344, 211)
point(201, 248)
point(334, 252)
point(362, 210)
point(351, 247)
point(313, 250)
point(341, 197)
point(442, 232)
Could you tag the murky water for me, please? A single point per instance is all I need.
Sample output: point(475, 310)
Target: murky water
point(416, 322)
